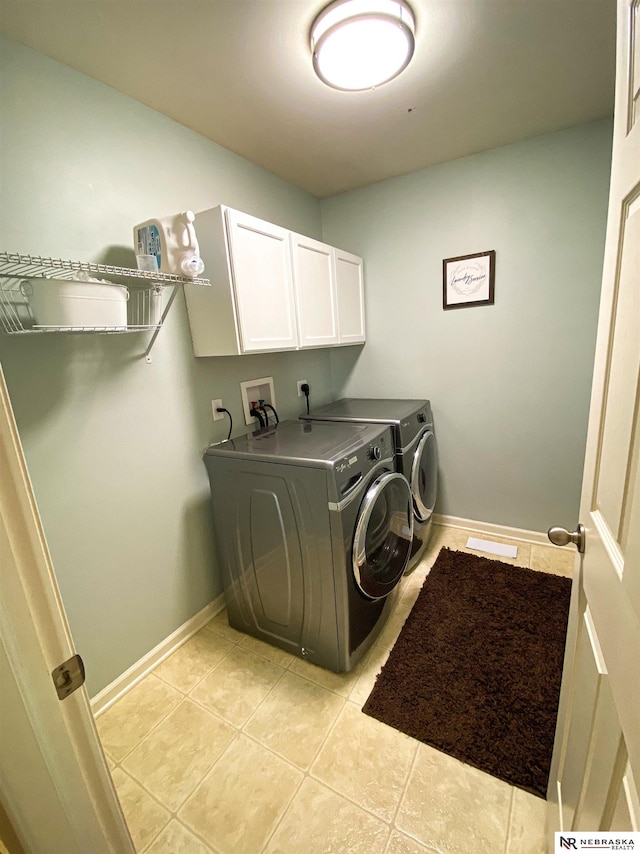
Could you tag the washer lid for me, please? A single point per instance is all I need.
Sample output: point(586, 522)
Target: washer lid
point(315, 444)
point(407, 417)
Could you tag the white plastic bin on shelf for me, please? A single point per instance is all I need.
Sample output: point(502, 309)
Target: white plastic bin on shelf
point(77, 304)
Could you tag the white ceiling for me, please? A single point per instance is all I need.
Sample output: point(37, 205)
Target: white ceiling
point(485, 73)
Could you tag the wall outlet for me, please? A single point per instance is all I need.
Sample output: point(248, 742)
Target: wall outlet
point(300, 384)
point(217, 416)
point(261, 389)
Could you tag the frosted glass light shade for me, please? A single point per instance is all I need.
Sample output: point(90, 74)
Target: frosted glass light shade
point(360, 44)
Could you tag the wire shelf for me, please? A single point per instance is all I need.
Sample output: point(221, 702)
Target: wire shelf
point(146, 308)
point(35, 266)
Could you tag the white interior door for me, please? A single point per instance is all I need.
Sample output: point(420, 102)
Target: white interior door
point(596, 763)
point(54, 782)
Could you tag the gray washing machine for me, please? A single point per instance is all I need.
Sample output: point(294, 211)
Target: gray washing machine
point(314, 530)
point(415, 449)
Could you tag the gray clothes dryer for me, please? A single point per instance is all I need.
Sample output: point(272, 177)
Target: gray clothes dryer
point(314, 530)
point(415, 448)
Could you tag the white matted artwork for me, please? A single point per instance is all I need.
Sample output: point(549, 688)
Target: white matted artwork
point(468, 280)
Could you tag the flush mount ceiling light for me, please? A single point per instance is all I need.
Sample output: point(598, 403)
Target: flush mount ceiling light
point(360, 44)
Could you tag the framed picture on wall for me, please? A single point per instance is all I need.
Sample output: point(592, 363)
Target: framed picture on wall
point(468, 280)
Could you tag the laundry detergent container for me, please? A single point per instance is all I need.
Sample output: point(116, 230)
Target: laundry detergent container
point(71, 303)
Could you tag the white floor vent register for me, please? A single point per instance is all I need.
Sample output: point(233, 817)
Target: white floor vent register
point(492, 548)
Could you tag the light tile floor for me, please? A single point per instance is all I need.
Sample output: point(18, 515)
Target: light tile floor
point(232, 746)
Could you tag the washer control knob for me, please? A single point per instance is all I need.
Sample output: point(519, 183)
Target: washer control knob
point(375, 453)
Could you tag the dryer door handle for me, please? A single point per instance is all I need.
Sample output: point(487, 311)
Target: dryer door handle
point(408, 449)
point(355, 481)
point(421, 510)
point(355, 491)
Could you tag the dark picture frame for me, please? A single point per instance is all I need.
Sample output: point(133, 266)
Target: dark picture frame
point(469, 280)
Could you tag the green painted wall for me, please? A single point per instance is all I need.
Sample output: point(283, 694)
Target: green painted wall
point(114, 446)
point(509, 383)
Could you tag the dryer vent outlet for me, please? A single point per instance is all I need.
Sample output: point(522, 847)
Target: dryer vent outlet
point(254, 390)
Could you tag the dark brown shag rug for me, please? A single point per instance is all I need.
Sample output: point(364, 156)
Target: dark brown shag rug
point(476, 669)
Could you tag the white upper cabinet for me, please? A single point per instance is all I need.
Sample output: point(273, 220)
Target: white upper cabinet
point(315, 288)
point(271, 289)
point(350, 297)
point(263, 283)
point(251, 305)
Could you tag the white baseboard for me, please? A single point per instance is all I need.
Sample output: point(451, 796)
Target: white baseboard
point(108, 696)
point(521, 534)
point(105, 698)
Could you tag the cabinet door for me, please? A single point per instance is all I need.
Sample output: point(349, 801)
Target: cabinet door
point(262, 283)
point(350, 293)
point(315, 290)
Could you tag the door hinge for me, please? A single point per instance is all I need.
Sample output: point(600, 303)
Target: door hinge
point(69, 676)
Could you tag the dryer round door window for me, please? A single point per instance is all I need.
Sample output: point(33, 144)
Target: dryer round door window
point(424, 477)
point(384, 532)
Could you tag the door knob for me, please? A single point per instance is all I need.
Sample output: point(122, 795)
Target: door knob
point(562, 537)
